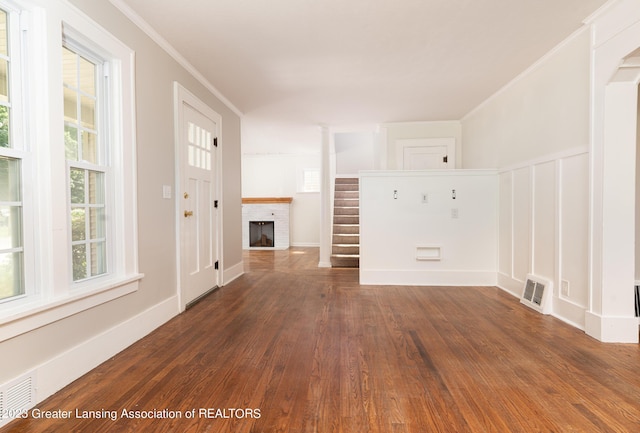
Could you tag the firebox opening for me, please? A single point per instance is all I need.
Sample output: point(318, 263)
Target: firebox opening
point(261, 234)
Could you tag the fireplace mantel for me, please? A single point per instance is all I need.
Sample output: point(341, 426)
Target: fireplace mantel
point(266, 200)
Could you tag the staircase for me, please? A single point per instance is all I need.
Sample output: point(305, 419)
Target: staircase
point(345, 249)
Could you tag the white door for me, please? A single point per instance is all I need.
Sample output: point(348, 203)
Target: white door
point(425, 157)
point(425, 153)
point(198, 212)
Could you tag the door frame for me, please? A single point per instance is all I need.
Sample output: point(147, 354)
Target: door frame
point(182, 96)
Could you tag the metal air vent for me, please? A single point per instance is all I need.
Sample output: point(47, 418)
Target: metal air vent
point(537, 294)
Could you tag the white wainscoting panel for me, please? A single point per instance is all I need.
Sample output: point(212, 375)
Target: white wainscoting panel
point(544, 229)
point(544, 220)
point(574, 238)
point(521, 224)
point(505, 264)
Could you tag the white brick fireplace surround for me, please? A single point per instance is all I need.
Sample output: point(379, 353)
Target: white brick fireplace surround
point(274, 209)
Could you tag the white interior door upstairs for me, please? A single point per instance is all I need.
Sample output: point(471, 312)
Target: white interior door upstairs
point(425, 153)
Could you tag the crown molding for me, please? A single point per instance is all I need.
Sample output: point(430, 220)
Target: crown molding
point(166, 46)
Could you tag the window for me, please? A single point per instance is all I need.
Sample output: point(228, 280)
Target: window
point(84, 153)
point(68, 238)
point(12, 284)
point(309, 180)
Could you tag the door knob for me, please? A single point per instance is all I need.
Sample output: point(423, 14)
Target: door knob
point(188, 213)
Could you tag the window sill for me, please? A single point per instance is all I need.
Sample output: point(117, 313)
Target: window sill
point(38, 313)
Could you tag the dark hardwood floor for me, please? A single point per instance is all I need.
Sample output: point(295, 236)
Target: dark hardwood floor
point(289, 347)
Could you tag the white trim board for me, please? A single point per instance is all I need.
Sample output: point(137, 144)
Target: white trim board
point(427, 278)
point(58, 372)
point(231, 273)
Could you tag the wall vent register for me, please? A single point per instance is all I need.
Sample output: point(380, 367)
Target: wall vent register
point(537, 294)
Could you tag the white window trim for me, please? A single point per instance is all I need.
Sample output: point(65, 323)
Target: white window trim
point(55, 296)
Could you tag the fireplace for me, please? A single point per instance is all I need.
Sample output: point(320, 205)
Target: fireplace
point(273, 210)
point(261, 234)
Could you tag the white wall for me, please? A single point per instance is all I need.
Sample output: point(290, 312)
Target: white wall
point(277, 175)
point(395, 220)
point(542, 112)
point(62, 351)
point(536, 132)
point(354, 151)
point(273, 154)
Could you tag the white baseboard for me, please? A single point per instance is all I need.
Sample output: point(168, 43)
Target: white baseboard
point(427, 278)
point(563, 310)
point(510, 285)
point(611, 329)
point(569, 312)
point(232, 273)
point(56, 373)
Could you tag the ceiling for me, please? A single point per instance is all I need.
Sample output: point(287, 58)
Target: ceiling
point(340, 62)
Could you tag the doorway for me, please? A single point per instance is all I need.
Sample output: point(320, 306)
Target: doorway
point(425, 153)
point(197, 188)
